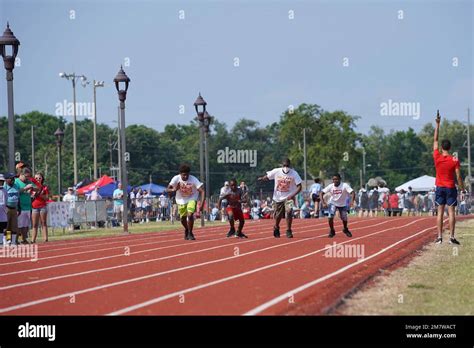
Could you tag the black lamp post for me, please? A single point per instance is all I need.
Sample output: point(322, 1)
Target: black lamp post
point(200, 106)
point(59, 134)
point(9, 50)
point(121, 84)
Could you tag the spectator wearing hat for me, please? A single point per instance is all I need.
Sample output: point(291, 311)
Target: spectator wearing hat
point(3, 211)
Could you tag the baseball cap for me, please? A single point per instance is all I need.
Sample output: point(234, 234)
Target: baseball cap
point(9, 175)
point(2, 178)
point(226, 183)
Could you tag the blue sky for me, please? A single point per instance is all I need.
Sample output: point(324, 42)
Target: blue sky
point(283, 61)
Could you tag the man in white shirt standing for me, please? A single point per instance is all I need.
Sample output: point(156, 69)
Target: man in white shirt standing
point(187, 188)
point(71, 198)
point(163, 207)
point(339, 193)
point(224, 192)
point(287, 186)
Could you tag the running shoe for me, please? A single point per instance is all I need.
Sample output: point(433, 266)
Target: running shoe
point(439, 240)
point(289, 234)
point(230, 233)
point(347, 232)
point(453, 240)
point(276, 232)
point(186, 234)
point(332, 233)
point(240, 235)
point(191, 236)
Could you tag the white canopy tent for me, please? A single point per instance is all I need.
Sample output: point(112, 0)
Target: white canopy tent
point(423, 183)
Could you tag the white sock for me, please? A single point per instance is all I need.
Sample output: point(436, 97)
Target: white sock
point(14, 238)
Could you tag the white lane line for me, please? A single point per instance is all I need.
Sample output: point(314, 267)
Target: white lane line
point(121, 248)
point(284, 296)
point(239, 275)
point(126, 281)
point(157, 241)
point(14, 273)
point(69, 275)
point(150, 235)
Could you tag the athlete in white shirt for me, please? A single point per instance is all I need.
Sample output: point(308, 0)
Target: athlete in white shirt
point(187, 188)
point(287, 186)
point(339, 194)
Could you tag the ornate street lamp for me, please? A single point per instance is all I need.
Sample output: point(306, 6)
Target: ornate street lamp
point(9, 50)
point(121, 84)
point(200, 106)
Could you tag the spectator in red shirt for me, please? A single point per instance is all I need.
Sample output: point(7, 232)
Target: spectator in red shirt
point(393, 205)
point(40, 210)
point(447, 167)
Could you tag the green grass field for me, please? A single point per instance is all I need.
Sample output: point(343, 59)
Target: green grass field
point(437, 282)
point(60, 234)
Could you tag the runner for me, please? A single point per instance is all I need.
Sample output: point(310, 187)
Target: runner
point(315, 190)
point(235, 196)
point(339, 193)
point(287, 186)
point(187, 188)
point(447, 167)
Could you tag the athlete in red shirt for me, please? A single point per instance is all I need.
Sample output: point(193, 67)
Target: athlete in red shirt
point(447, 167)
point(235, 197)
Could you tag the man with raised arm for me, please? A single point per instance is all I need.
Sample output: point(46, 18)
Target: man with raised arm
point(447, 168)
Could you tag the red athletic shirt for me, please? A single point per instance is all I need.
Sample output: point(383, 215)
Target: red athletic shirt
point(393, 200)
point(39, 202)
point(445, 169)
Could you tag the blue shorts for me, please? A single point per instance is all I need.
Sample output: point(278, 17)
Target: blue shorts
point(342, 211)
point(445, 195)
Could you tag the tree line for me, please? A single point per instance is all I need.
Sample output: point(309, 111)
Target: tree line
point(332, 145)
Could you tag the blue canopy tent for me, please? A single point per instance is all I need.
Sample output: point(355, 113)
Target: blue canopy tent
point(107, 191)
point(155, 189)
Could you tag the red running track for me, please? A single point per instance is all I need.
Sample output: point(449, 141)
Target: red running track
point(162, 274)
